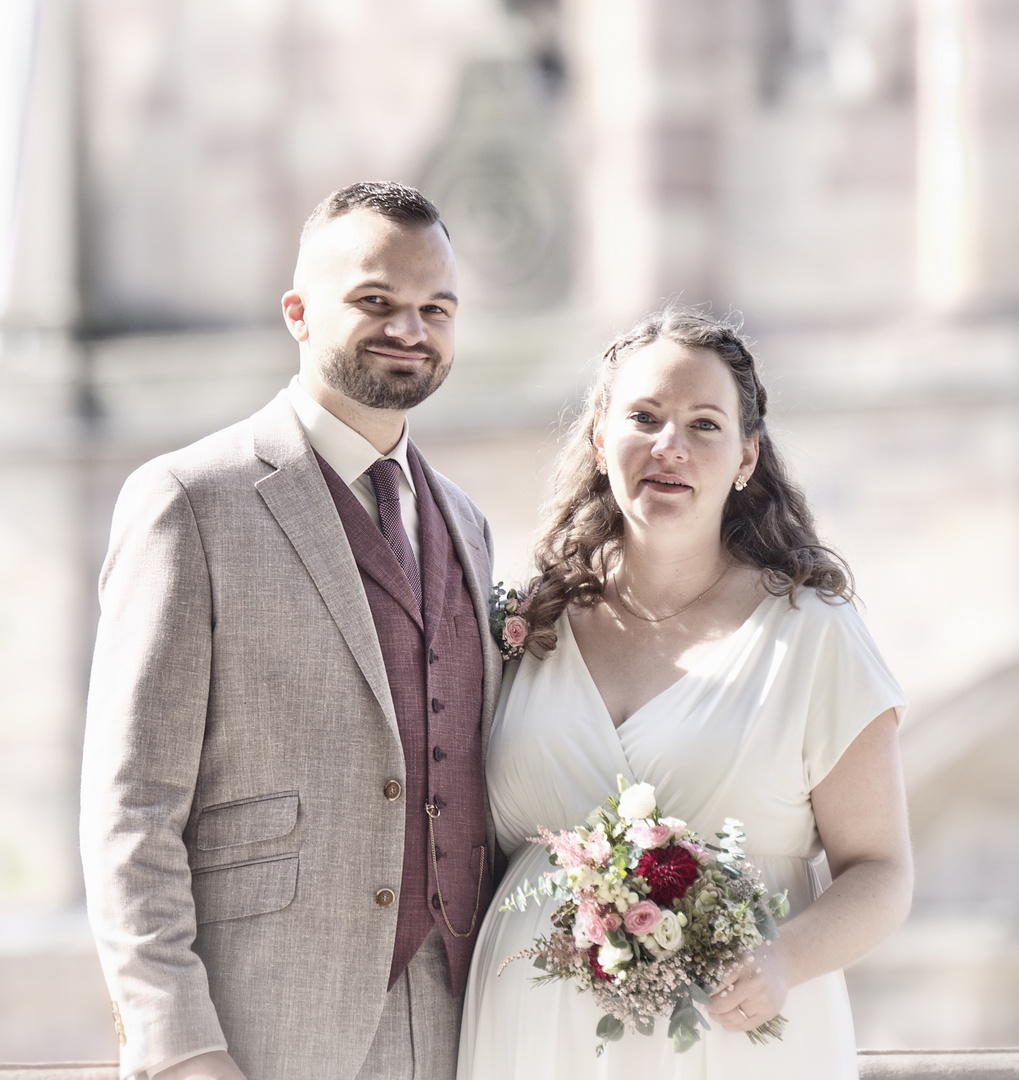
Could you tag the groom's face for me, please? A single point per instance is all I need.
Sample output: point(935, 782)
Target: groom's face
point(377, 304)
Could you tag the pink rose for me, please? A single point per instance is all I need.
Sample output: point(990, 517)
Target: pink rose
point(590, 922)
point(674, 823)
point(514, 630)
point(642, 918)
point(612, 922)
point(648, 835)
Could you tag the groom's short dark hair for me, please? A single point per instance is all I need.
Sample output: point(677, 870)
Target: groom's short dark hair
point(398, 202)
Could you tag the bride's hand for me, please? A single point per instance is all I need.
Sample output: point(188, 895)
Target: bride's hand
point(754, 991)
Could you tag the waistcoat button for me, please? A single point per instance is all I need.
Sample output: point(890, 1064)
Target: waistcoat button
point(438, 801)
point(432, 656)
point(392, 790)
point(385, 897)
point(436, 902)
point(438, 753)
point(437, 705)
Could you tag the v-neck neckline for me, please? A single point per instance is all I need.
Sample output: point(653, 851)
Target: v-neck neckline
point(696, 668)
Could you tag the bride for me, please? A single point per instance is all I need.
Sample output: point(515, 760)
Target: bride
point(687, 629)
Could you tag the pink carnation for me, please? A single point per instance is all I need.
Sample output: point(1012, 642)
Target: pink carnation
point(612, 922)
point(642, 918)
point(648, 835)
point(514, 630)
point(590, 923)
point(700, 854)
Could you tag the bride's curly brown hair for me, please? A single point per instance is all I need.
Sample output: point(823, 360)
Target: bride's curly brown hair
point(768, 525)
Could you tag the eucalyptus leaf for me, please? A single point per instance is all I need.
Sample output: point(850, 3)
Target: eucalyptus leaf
point(683, 1038)
point(699, 994)
point(645, 1027)
point(766, 924)
point(684, 1015)
point(610, 1028)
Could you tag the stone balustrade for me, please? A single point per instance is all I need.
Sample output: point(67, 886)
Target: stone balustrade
point(874, 1065)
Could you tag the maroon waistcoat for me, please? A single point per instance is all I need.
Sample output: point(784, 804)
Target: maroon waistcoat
point(434, 665)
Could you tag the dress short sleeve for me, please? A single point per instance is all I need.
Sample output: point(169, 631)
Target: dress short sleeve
point(851, 685)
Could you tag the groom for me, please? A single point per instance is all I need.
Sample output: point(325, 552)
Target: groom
point(285, 835)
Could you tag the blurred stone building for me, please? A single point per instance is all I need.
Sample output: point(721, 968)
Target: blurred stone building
point(842, 171)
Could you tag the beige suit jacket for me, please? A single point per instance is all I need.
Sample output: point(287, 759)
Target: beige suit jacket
point(240, 733)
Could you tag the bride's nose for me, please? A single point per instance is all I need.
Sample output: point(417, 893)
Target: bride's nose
point(670, 443)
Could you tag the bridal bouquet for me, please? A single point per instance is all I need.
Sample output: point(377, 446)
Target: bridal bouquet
point(650, 917)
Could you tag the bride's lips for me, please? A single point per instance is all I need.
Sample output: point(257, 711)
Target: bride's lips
point(666, 482)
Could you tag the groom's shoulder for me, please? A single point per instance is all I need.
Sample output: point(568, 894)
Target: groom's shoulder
point(234, 451)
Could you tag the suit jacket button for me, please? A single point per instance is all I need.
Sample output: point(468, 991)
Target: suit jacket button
point(385, 897)
point(392, 790)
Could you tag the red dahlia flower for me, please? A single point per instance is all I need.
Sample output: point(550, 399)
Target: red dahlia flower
point(670, 871)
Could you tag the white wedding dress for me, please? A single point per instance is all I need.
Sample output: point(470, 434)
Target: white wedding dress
point(747, 733)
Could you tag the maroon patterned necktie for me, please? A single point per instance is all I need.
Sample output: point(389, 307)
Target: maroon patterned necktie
point(385, 478)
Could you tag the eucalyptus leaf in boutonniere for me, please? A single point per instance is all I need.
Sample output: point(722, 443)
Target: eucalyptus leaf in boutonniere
point(507, 618)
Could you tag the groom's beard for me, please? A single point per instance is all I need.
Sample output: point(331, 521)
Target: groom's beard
point(357, 378)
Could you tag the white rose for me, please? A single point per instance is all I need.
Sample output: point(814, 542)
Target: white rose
point(637, 802)
point(668, 933)
point(611, 958)
point(580, 939)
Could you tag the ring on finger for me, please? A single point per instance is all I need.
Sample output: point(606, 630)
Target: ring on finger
point(739, 1009)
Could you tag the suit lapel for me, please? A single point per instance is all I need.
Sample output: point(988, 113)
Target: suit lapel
point(297, 497)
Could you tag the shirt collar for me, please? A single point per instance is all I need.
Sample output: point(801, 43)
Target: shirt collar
point(348, 452)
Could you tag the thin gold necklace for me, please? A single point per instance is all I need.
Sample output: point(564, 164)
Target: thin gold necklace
point(685, 607)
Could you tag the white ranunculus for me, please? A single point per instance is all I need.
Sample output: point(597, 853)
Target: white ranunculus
point(637, 802)
point(611, 958)
point(668, 933)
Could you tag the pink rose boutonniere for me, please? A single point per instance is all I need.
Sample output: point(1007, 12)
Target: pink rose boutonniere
point(507, 619)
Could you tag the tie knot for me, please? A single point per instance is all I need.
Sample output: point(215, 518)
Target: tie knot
point(385, 478)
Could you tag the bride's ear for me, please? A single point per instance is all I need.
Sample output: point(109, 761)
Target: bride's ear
point(751, 452)
point(598, 438)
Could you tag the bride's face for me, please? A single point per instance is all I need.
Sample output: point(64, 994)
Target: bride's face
point(671, 439)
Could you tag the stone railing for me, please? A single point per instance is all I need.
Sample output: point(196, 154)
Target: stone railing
point(935, 1065)
point(874, 1065)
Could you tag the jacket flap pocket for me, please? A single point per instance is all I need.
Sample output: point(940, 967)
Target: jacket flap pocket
point(247, 821)
point(242, 889)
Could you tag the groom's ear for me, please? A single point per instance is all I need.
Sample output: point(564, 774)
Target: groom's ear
point(293, 314)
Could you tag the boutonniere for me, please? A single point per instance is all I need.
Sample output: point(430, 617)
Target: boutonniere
point(508, 622)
